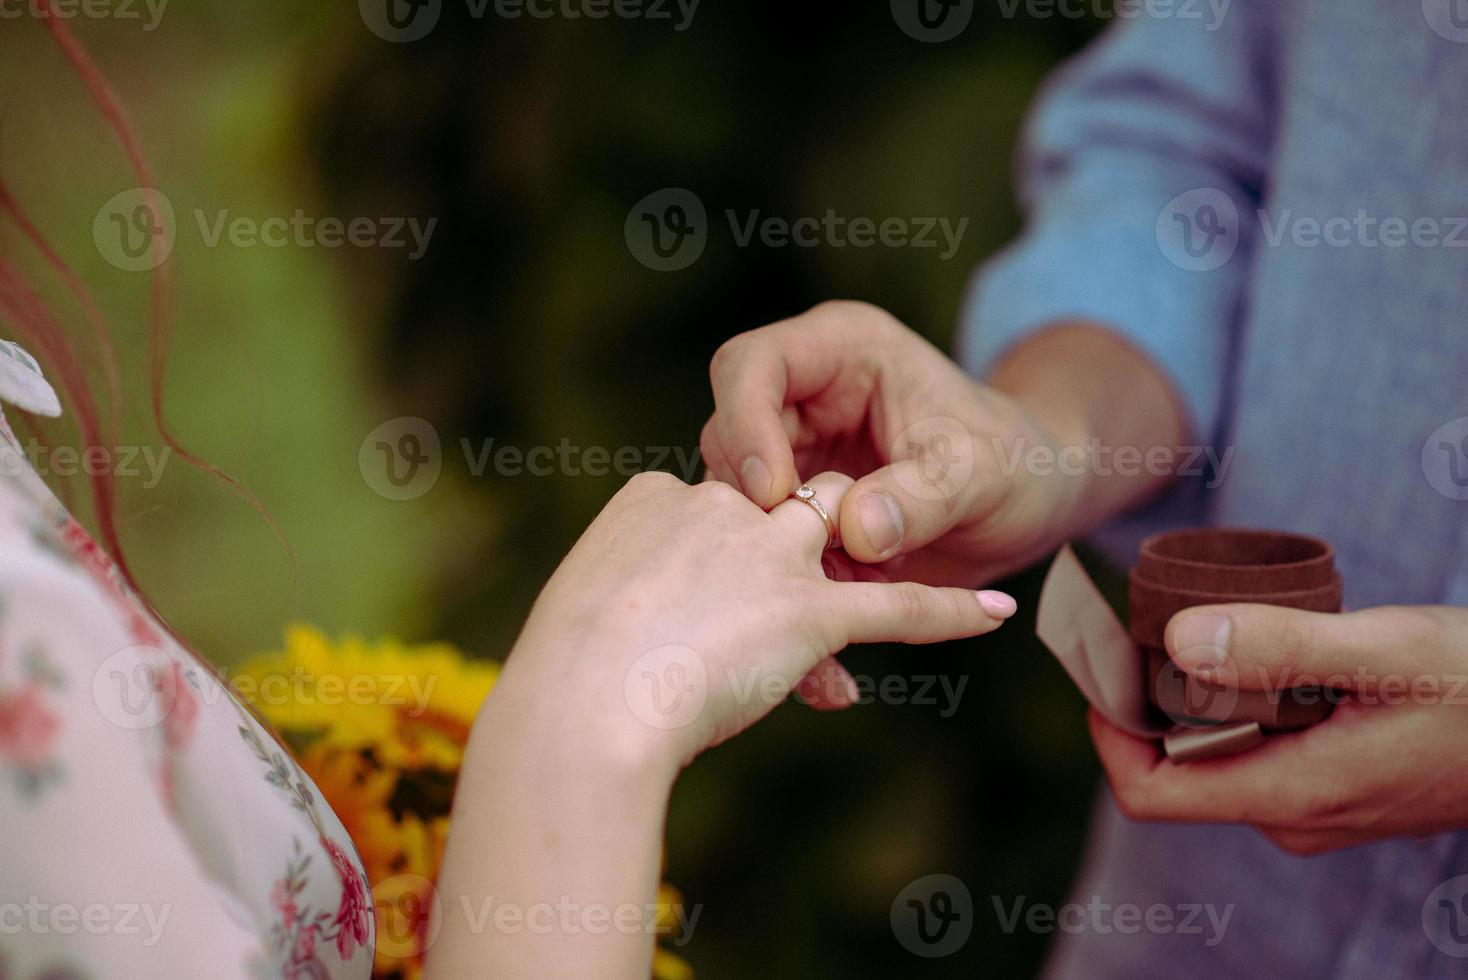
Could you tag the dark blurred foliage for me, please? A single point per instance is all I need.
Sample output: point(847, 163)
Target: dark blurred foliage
point(529, 321)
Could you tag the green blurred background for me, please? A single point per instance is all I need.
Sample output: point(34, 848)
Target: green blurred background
point(530, 321)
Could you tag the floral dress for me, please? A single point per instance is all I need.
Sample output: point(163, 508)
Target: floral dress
point(149, 826)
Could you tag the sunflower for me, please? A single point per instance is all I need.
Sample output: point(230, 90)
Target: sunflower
point(381, 727)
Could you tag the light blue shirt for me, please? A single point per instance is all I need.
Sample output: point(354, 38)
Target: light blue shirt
point(1274, 205)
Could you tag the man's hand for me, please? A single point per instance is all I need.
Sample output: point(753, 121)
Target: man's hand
point(948, 489)
point(1389, 761)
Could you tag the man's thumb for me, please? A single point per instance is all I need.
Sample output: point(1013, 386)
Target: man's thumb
point(897, 509)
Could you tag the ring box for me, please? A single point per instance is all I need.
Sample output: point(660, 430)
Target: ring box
point(1177, 570)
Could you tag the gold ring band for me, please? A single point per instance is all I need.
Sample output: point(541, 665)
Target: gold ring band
point(807, 494)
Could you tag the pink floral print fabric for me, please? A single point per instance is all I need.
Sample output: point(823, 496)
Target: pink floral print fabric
point(149, 826)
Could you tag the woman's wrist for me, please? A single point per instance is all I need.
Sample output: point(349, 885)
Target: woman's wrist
point(561, 804)
point(574, 720)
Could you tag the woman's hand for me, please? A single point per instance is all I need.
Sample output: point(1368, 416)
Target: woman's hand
point(1387, 763)
point(684, 614)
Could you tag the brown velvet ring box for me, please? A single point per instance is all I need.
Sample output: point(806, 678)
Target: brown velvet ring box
point(1179, 569)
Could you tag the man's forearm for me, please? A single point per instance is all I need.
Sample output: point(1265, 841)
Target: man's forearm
point(1092, 390)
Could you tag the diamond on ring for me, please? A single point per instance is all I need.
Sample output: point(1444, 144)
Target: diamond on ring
point(807, 494)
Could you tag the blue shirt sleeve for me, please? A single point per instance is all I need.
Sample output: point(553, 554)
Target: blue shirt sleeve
point(1140, 172)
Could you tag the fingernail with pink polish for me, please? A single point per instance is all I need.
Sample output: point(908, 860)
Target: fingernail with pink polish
point(997, 605)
